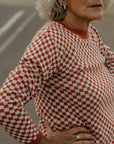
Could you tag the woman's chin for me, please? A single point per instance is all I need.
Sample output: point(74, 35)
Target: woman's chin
point(95, 13)
point(96, 17)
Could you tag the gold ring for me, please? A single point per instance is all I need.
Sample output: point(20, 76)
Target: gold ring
point(77, 137)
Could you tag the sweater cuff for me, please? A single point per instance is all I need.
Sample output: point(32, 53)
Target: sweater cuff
point(37, 141)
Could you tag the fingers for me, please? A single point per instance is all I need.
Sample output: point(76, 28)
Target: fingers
point(77, 130)
point(85, 136)
point(84, 142)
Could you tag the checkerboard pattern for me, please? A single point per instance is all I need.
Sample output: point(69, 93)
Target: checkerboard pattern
point(70, 75)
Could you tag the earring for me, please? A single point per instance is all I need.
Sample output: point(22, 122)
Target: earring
point(64, 7)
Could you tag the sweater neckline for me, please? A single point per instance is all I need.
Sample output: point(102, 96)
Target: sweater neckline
point(81, 34)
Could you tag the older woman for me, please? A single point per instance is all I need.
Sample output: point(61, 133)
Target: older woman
point(69, 71)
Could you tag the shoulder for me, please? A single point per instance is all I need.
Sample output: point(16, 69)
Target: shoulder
point(51, 29)
point(44, 37)
point(50, 34)
point(46, 40)
point(94, 32)
point(53, 35)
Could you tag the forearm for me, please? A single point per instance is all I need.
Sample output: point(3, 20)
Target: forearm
point(15, 93)
point(18, 124)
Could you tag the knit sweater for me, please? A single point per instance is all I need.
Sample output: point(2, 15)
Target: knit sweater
point(70, 75)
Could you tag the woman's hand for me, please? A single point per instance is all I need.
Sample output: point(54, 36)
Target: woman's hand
point(76, 135)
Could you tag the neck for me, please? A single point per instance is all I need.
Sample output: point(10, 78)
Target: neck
point(77, 23)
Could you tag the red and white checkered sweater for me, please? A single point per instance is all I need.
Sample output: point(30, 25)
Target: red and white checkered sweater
point(70, 74)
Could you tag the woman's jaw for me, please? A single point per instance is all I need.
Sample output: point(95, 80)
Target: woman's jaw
point(80, 13)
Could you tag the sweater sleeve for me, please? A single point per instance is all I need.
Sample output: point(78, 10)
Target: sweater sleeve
point(38, 63)
point(105, 51)
point(17, 90)
point(109, 57)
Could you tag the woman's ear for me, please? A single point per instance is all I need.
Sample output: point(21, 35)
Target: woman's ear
point(62, 2)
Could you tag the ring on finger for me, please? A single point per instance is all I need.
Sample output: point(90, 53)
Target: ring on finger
point(77, 137)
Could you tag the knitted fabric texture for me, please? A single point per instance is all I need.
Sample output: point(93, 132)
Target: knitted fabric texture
point(70, 75)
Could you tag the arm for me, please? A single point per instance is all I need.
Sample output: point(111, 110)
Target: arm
point(105, 51)
point(22, 85)
point(17, 90)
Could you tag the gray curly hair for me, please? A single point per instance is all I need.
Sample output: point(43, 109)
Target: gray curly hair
point(53, 9)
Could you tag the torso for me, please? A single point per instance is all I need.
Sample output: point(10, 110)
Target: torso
point(81, 90)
